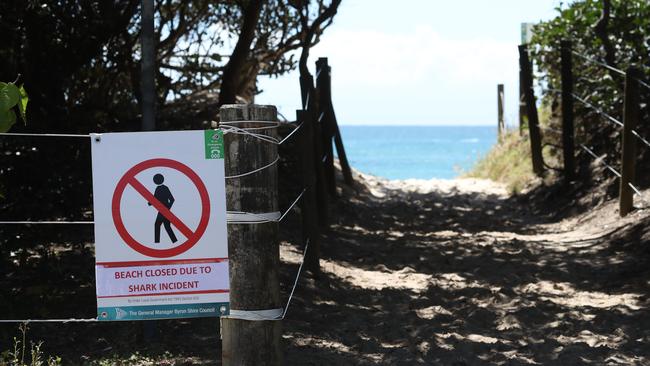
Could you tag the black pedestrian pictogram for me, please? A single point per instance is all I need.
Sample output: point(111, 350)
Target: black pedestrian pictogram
point(164, 196)
point(192, 235)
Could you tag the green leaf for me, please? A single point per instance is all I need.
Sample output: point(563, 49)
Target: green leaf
point(22, 105)
point(7, 119)
point(9, 95)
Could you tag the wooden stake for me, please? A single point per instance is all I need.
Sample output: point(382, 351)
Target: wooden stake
point(148, 66)
point(568, 148)
point(531, 111)
point(522, 104)
point(309, 101)
point(325, 121)
point(340, 149)
point(309, 201)
point(628, 155)
point(253, 250)
point(338, 140)
point(500, 121)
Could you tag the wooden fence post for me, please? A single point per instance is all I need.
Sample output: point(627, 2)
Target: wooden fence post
point(522, 104)
point(309, 101)
point(628, 155)
point(500, 120)
point(338, 140)
point(148, 66)
point(326, 123)
point(253, 250)
point(309, 202)
point(568, 148)
point(531, 111)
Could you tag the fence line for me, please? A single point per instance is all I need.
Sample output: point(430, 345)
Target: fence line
point(27, 222)
point(631, 115)
point(601, 159)
point(643, 140)
point(600, 63)
point(598, 110)
point(609, 67)
point(43, 134)
point(325, 110)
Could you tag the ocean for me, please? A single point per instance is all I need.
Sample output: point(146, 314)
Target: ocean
point(422, 152)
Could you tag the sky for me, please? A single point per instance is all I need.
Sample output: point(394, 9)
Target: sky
point(418, 62)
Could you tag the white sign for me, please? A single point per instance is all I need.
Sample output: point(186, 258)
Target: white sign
point(526, 32)
point(160, 225)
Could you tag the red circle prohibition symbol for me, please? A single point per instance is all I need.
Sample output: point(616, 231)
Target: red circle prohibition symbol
point(192, 236)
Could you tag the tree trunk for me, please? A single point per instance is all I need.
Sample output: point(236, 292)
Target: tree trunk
point(231, 79)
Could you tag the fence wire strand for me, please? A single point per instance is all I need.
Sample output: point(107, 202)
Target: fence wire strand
point(638, 193)
point(292, 205)
point(295, 282)
point(598, 110)
point(601, 160)
point(551, 130)
point(71, 320)
point(600, 63)
point(27, 222)
point(643, 83)
point(644, 141)
point(43, 134)
point(265, 138)
point(256, 170)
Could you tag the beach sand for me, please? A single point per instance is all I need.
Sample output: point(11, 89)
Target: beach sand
point(456, 272)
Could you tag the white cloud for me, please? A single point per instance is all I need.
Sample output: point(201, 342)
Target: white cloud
point(454, 78)
point(376, 58)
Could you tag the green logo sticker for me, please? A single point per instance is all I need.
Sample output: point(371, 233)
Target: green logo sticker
point(214, 144)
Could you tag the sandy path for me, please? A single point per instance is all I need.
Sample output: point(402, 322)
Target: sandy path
point(456, 273)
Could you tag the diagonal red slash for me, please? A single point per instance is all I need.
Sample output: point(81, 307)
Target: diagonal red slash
point(160, 207)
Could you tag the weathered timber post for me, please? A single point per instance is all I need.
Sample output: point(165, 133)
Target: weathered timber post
point(148, 66)
point(148, 101)
point(522, 103)
point(628, 155)
point(309, 202)
point(531, 111)
point(309, 101)
point(340, 149)
point(568, 134)
point(325, 120)
point(500, 102)
point(338, 140)
point(253, 249)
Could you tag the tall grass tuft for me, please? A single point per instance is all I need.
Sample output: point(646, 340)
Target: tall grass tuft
point(21, 355)
point(508, 162)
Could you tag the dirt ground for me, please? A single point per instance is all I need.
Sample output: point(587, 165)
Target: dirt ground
point(441, 272)
point(458, 273)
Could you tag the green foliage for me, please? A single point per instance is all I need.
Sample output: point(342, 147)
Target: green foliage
point(12, 98)
point(85, 75)
point(627, 32)
point(507, 162)
point(20, 355)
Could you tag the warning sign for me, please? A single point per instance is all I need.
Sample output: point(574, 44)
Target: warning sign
point(160, 225)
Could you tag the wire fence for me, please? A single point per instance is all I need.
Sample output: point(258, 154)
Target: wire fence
point(599, 111)
point(233, 217)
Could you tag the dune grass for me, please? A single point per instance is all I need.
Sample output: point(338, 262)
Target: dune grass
point(508, 162)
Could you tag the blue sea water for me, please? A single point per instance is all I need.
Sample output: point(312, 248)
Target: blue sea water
point(423, 152)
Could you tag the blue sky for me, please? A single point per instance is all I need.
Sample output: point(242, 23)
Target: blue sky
point(418, 61)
